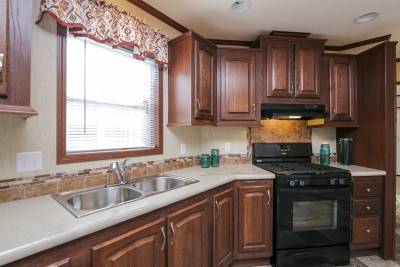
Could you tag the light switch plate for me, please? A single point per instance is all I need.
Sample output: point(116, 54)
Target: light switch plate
point(183, 149)
point(227, 147)
point(29, 161)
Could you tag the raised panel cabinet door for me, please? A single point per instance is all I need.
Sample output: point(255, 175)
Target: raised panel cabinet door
point(255, 218)
point(307, 65)
point(280, 76)
point(141, 247)
point(205, 81)
point(342, 88)
point(189, 236)
point(238, 86)
point(223, 227)
point(3, 47)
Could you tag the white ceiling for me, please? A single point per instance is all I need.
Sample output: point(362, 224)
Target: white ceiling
point(330, 19)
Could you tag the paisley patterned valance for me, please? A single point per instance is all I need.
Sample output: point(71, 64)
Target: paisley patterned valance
point(105, 23)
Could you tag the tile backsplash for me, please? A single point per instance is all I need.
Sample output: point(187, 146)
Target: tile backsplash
point(281, 131)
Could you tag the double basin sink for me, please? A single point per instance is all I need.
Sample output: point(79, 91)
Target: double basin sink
point(89, 201)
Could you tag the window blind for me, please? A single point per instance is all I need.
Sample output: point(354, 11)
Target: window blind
point(112, 99)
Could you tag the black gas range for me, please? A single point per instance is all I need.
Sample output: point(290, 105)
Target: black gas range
point(311, 206)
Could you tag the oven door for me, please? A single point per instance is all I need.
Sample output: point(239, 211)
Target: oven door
point(309, 217)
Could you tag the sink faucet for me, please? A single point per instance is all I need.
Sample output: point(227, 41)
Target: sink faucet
point(119, 172)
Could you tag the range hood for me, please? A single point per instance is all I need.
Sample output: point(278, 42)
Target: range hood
point(293, 111)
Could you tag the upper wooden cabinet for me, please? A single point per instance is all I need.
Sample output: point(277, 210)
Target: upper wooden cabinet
point(189, 236)
point(254, 219)
point(144, 246)
point(15, 57)
point(292, 69)
point(223, 227)
point(240, 78)
point(192, 81)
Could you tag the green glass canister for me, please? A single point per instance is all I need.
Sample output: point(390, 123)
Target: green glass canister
point(346, 151)
point(214, 157)
point(325, 152)
point(205, 161)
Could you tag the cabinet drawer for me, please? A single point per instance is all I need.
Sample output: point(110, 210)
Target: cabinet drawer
point(367, 188)
point(365, 230)
point(366, 206)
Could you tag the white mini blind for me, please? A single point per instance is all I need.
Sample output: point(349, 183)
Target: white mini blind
point(112, 99)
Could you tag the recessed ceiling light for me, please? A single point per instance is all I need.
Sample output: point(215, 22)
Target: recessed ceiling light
point(366, 17)
point(240, 6)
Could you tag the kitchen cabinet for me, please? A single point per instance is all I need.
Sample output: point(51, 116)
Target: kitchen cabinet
point(15, 57)
point(192, 81)
point(254, 219)
point(342, 91)
point(63, 263)
point(223, 227)
point(144, 246)
point(366, 213)
point(239, 81)
point(189, 236)
point(292, 70)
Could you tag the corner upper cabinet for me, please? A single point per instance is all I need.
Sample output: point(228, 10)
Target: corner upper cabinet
point(240, 79)
point(192, 81)
point(343, 90)
point(292, 69)
point(15, 57)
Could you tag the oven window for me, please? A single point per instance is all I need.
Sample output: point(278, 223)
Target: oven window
point(314, 215)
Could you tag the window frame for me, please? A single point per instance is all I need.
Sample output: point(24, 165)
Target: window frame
point(63, 156)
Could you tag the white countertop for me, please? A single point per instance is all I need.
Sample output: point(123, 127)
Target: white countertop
point(34, 225)
point(357, 171)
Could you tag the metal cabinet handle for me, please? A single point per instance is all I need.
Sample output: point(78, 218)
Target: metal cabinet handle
point(269, 197)
point(254, 108)
point(368, 190)
point(198, 102)
point(171, 225)
point(291, 88)
point(368, 208)
point(368, 230)
point(164, 238)
point(1, 66)
point(217, 213)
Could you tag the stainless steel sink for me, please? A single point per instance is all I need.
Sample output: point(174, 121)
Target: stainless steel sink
point(86, 202)
point(81, 203)
point(160, 183)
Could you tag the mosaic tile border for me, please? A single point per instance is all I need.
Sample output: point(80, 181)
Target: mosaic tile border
point(23, 188)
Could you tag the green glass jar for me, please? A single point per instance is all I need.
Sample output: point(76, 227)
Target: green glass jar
point(346, 151)
point(205, 161)
point(325, 152)
point(214, 157)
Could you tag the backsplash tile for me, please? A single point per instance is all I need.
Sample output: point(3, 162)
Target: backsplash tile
point(281, 131)
point(21, 188)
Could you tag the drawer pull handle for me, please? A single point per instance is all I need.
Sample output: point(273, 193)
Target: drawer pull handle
point(164, 238)
point(217, 212)
point(368, 190)
point(269, 197)
point(368, 231)
point(171, 225)
point(368, 208)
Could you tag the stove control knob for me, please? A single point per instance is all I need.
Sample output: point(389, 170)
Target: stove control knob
point(301, 183)
point(333, 181)
point(342, 181)
point(292, 183)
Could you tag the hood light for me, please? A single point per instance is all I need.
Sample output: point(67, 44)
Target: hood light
point(294, 117)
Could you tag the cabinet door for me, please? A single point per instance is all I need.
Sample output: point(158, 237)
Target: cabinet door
point(238, 83)
point(308, 57)
point(3, 47)
point(189, 236)
point(280, 76)
point(62, 263)
point(254, 237)
point(342, 88)
point(223, 227)
point(144, 247)
point(204, 81)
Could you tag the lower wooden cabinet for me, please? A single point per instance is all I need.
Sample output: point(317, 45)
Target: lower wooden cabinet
point(223, 227)
point(226, 226)
point(189, 236)
point(144, 247)
point(254, 219)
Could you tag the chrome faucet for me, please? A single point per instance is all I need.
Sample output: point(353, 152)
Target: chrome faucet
point(119, 172)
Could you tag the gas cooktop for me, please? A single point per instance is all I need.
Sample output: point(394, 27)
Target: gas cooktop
point(290, 168)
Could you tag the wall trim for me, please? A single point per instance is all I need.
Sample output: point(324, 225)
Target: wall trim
point(383, 38)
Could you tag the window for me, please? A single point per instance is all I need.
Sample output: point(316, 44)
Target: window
point(109, 103)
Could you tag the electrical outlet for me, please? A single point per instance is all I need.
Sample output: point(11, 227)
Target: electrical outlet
point(183, 149)
point(227, 147)
point(29, 161)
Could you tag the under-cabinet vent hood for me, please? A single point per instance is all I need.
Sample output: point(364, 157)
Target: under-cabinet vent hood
point(293, 111)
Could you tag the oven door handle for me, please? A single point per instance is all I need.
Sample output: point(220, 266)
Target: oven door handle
point(302, 254)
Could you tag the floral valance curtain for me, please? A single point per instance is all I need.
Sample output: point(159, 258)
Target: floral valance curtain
point(105, 23)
